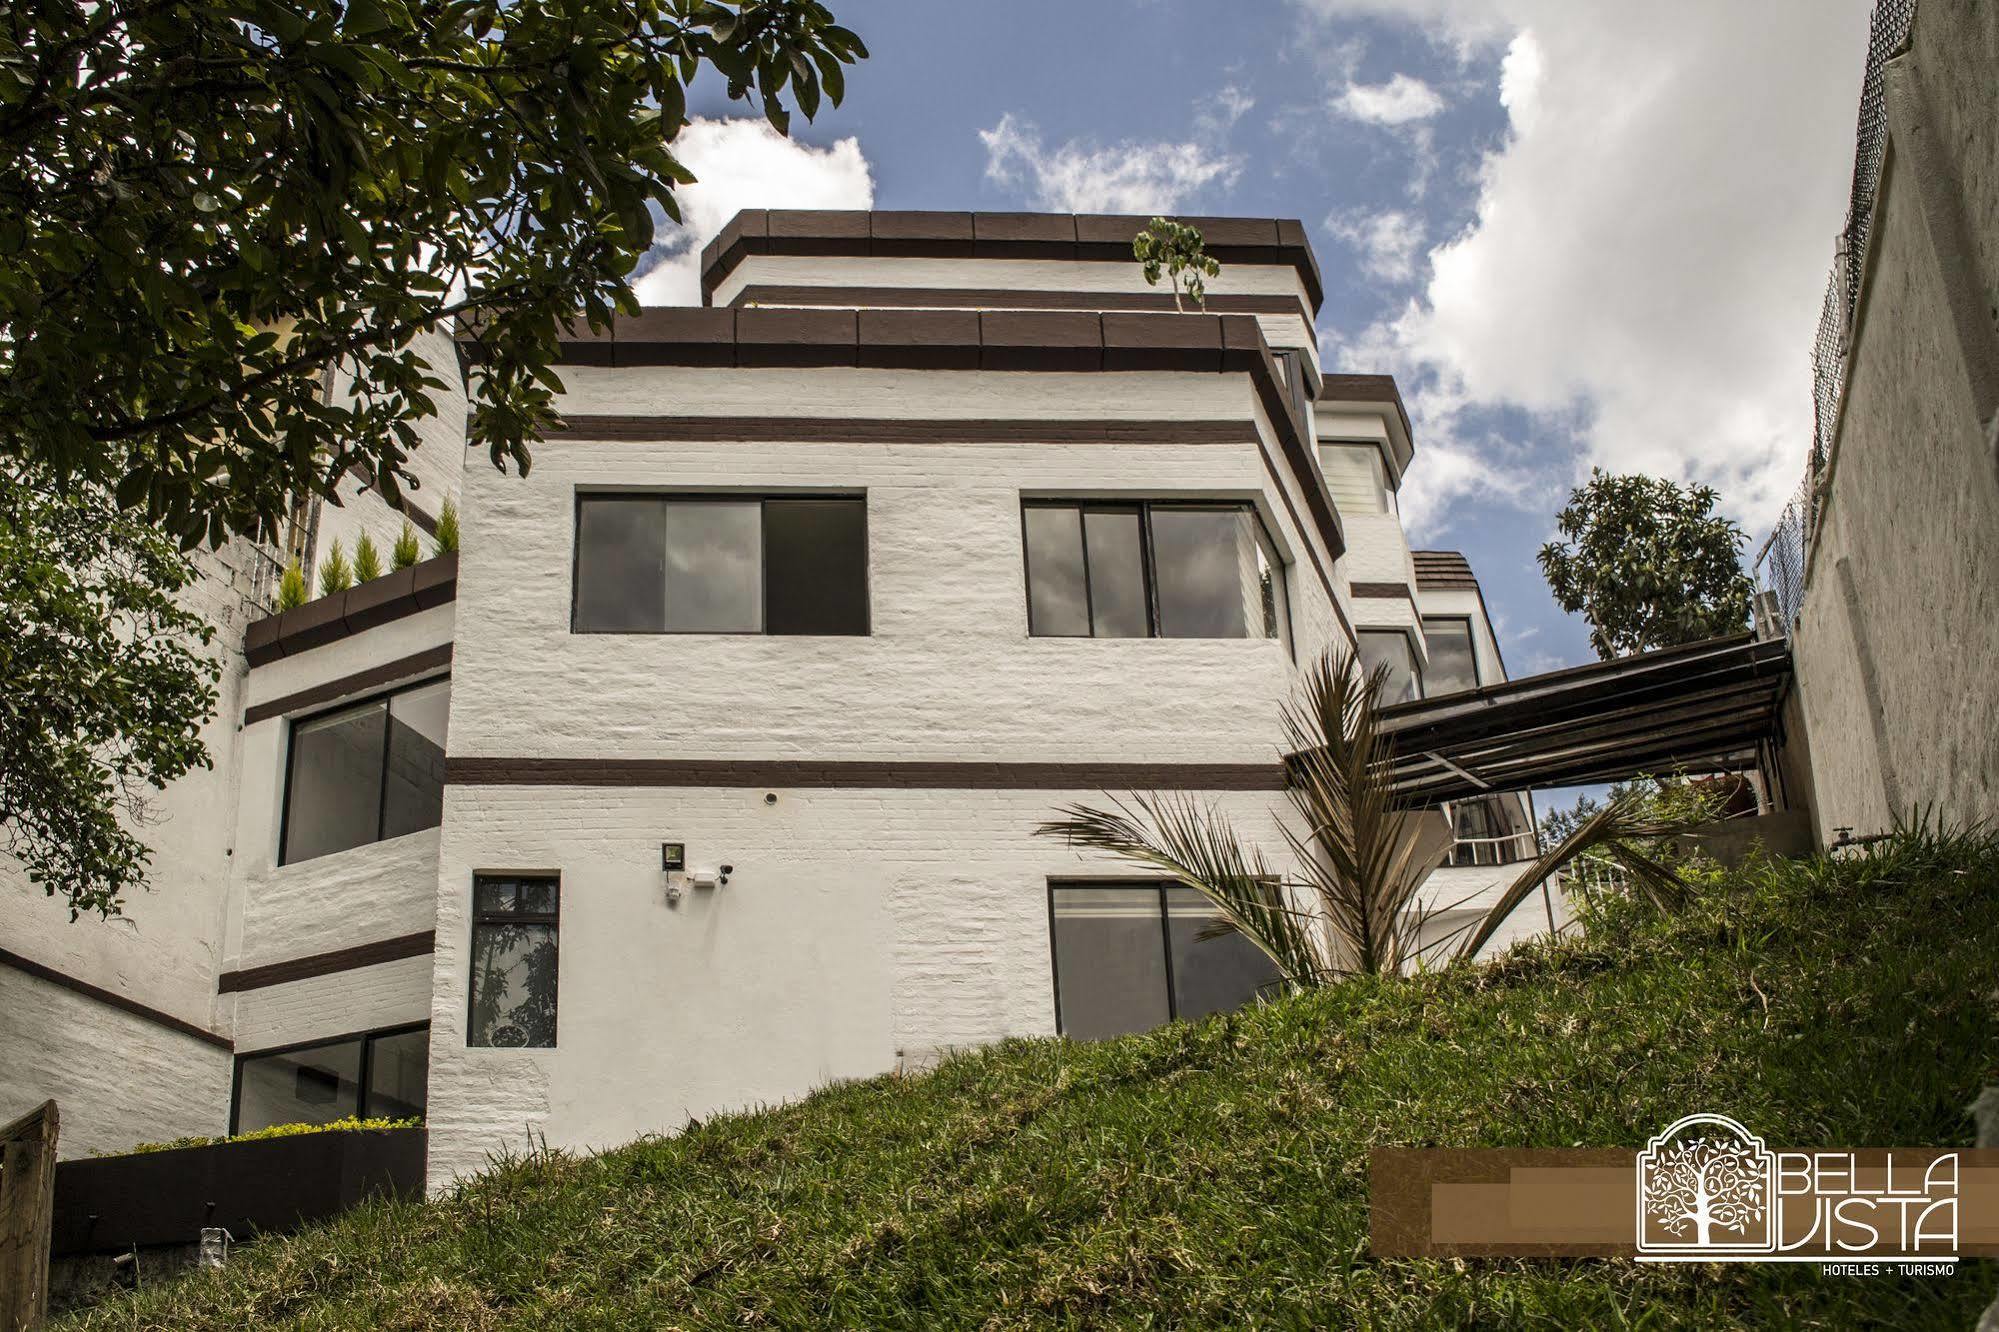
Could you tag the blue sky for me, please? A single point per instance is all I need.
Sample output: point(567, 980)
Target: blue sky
point(1576, 232)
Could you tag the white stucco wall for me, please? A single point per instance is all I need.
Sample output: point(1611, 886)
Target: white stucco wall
point(1895, 645)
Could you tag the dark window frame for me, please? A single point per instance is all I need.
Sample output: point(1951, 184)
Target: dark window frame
point(763, 499)
point(552, 919)
point(367, 1038)
point(1471, 640)
point(1159, 886)
point(1286, 635)
point(382, 779)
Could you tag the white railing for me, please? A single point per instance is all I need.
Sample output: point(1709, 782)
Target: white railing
point(1507, 850)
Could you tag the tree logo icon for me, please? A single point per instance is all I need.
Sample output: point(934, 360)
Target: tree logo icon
point(1706, 1188)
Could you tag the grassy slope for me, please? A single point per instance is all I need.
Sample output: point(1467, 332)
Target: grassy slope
point(1215, 1173)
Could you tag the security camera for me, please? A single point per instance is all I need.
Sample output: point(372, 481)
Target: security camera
point(727, 870)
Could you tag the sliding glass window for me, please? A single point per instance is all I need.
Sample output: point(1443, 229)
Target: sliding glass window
point(1152, 570)
point(372, 1075)
point(1130, 957)
point(365, 772)
point(651, 564)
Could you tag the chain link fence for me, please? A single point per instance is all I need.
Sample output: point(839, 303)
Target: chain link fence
point(1780, 563)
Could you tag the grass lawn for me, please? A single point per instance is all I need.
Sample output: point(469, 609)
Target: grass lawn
point(1215, 1174)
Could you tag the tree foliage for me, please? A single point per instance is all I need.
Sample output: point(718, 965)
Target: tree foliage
point(105, 683)
point(1648, 564)
point(205, 204)
point(1178, 251)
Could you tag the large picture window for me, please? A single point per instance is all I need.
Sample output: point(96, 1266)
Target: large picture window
point(725, 564)
point(514, 920)
point(1152, 571)
point(365, 772)
point(1130, 957)
point(371, 1075)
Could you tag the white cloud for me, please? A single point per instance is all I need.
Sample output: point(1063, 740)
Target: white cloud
point(744, 163)
point(1082, 177)
point(1396, 102)
point(1388, 242)
point(1215, 116)
point(1649, 243)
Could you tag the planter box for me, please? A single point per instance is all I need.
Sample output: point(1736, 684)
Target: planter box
point(270, 1186)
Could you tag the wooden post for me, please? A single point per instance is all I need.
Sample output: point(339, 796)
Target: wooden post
point(27, 1208)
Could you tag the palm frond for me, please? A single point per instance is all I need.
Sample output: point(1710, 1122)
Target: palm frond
point(1196, 845)
point(1613, 829)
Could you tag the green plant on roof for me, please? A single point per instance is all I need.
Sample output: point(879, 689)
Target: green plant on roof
point(367, 560)
point(405, 551)
point(291, 587)
point(446, 535)
point(334, 573)
point(1176, 250)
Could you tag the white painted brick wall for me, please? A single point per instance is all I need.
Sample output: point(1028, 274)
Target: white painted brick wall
point(860, 927)
point(390, 994)
point(117, 1079)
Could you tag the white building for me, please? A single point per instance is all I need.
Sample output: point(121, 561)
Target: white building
point(710, 772)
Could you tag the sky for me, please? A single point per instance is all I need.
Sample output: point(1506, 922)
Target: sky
point(1578, 233)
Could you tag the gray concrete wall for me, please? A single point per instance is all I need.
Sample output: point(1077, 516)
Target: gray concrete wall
point(1898, 638)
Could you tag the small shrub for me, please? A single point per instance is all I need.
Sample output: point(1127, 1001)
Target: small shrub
point(405, 551)
point(334, 574)
point(367, 560)
point(446, 536)
point(350, 1124)
point(291, 588)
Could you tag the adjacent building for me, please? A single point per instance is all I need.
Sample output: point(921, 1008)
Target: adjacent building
point(709, 770)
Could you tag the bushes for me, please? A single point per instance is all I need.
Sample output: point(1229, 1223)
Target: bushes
point(350, 1124)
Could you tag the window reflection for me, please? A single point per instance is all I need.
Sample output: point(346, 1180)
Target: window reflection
point(514, 962)
point(1164, 570)
point(1453, 666)
point(1128, 958)
point(1391, 649)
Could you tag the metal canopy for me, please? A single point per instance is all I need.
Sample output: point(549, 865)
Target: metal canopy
point(1704, 707)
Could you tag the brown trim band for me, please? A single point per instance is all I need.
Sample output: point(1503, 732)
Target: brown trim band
point(387, 673)
point(1009, 298)
point(1069, 341)
point(1399, 591)
point(1096, 237)
point(898, 430)
point(870, 774)
point(115, 1000)
point(327, 964)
